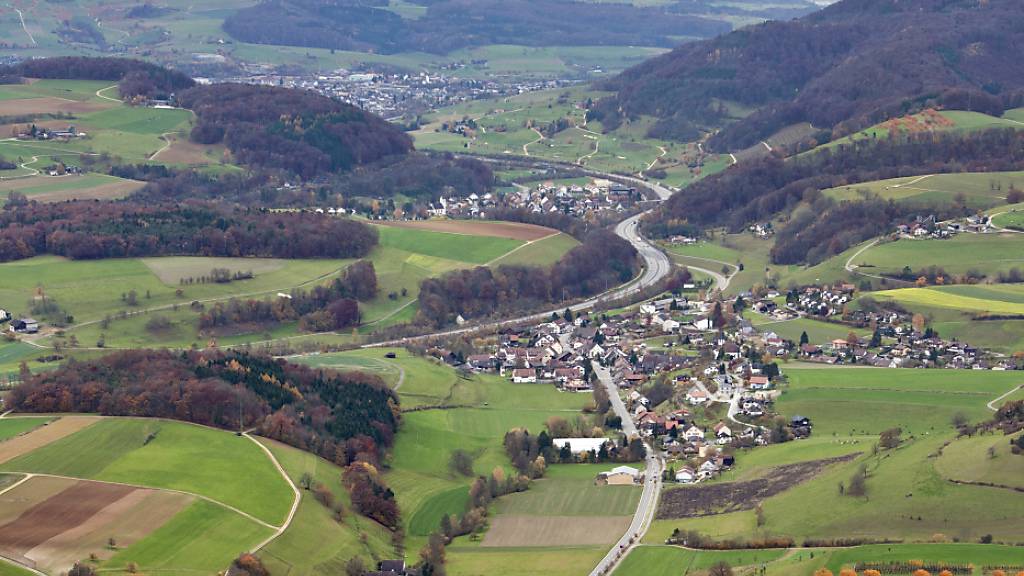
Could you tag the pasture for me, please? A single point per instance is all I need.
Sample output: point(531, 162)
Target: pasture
point(988, 254)
point(166, 454)
point(468, 560)
point(666, 560)
point(446, 245)
point(70, 187)
point(316, 543)
point(11, 427)
point(907, 497)
point(981, 190)
point(985, 458)
point(16, 446)
point(543, 252)
point(930, 121)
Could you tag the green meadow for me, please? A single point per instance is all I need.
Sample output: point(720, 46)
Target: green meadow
point(166, 454)
point(480, 250)
point(11, 427)
point(203, 538)
point(985, 253)
point(908, 495)
point(979, 190)
point(316, 543)
point(671, 560)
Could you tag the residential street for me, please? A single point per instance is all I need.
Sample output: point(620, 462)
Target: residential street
point(648, 505)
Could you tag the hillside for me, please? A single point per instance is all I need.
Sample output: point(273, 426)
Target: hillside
point(454, 24)
point(846, 67)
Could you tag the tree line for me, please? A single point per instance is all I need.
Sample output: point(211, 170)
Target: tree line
point(601, 262)
point(321, 309)
point(135, 77)
point(92, 230)
point(339, 416)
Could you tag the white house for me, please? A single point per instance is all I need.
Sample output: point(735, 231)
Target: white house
point(524, 375)
point(696, 396)
point(693, 433)
point(580, 445)
point(685, 475)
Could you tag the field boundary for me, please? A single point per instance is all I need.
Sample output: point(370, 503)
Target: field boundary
point(295, 490)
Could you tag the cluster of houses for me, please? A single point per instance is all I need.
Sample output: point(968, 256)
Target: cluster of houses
point(579, 200)
point(33, 132)
point(472, 206)
point(928, 227)
point(821, 300)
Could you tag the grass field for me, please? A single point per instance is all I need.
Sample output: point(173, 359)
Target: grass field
point(479, 250)
point(970, 460)
point(544, 252)
point(316, 543)
point(907, 496)
point(419, 475)
point(180, 457)
point(997, 299)
point(670, 560)
point(980, 190)
point(203, 538)
point(931, 121)
point(57, 189)
point(425, 381)
point(569, 490)
point(818, 331)
point(11, 427)
point(986, 253)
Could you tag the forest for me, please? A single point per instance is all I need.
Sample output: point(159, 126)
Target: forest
point(294, 130)
point(91, 230)
point(136, 78)
point(450, 25)
point(602, 261)
point(757, 190)
point(336, 415)
point(848, 66)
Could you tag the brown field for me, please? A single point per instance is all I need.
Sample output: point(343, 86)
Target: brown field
point(50, 523)
point(513, 230)
point(43, 435)
point(524, 531)
point(111, 191)
point(48, 105)
point(181, 151)
point(725, 497)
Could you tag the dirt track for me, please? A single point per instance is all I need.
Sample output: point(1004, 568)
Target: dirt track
point(514, 230)
point(43, 435)
point(524, 531)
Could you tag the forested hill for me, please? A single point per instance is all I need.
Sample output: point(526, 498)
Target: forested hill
point(299, 131)
point(850, 65)
point(446, 25)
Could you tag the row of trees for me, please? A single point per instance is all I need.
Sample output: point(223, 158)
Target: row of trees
point(340, 416)
point(135, 77)
point(323, 308)
point(91, 230)
point(602, 261)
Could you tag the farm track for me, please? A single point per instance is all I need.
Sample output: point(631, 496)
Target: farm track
point(295, 490)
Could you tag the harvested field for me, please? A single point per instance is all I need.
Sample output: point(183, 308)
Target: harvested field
point(725, 497)
point(513, 230)
point(59, 521)
point(43, 435)
point(48, 105)
point(181, 151)
point(111, 191)
point(524, 531)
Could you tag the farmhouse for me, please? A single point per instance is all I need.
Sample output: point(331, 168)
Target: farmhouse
point(685, 475)
point(25, 326)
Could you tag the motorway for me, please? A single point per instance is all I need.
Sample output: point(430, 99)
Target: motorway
point(656, 266)
point(648, 505)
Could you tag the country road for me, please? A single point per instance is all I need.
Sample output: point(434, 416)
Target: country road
point(648, 504)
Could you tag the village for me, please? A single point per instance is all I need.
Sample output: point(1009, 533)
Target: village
point(698, 378)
